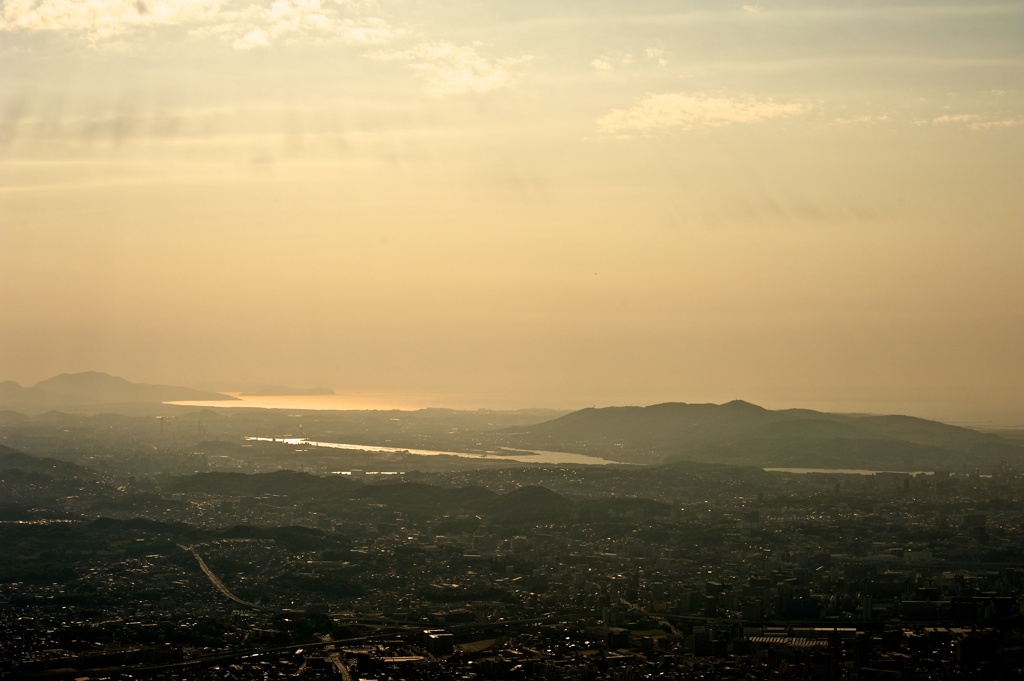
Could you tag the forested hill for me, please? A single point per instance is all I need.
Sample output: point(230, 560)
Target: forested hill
point(743, 433)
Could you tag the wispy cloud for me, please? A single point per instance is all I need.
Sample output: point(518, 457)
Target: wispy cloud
point(257, 37)
point(973, 121)
point(102, 19)
point(1004, 123)
point(243, 26)
point(948, 119)
point(655, 113)
point(607, 63)
point(658, 55)
point(450, 68)
point(866, 119)
point(305, 20)
point(252, 25)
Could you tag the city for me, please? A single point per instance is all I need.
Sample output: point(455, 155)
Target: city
point(479, 570)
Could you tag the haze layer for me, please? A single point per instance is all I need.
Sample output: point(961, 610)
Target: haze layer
point(521, 204)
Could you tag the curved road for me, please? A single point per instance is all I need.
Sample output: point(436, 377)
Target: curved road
point(216, 580)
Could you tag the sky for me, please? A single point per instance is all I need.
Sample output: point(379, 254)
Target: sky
point(521, 204)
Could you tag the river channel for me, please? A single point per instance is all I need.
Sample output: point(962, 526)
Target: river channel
point(506, 454)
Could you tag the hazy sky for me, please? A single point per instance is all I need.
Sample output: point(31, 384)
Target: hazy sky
point(525, 203)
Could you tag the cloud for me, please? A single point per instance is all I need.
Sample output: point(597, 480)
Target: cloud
point(102, 19)
point(1006, 123)
point(948, 119)
point(610, 62)
point(685, 111)
point(257, 37)
point(449, 68)
point(607, 63)
point(973, 121)
point(657, 54)
point(243, 26)
point(373, 31)
point(867, 119)
point(300, 20)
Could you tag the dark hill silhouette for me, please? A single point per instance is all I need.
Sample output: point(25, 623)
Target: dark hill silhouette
point(742, 433)
point(139, 504)
point(635, 507)
point(290, 536)
point(528, 504)
point(104, 524)
point(54, 416)
point(9, 417)
point(654, 425)
point(925, 432)
point(470, 496)
point(812, 427)
point(411, 495)
point(12, 459)
point(525, 503)
point(406, 494)
point(853, 453)
point(10, 392)
point(90, 389)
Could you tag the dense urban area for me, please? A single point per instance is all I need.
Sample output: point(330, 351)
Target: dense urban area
point(142, 547)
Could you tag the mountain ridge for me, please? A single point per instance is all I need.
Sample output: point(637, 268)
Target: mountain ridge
point(739, 432)
point(91, 389)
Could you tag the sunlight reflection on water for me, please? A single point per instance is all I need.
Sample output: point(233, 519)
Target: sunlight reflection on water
point(525, 456)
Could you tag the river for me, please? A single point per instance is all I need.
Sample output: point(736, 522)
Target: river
point(507, 454)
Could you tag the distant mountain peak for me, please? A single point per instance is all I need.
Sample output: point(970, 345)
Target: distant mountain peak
point(82, 379)
point(73, 391)
point(741, 432)
point(743, 404)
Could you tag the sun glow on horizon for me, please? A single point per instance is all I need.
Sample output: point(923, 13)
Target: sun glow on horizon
point(796, 204)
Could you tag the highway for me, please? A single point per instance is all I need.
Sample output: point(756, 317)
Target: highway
point(216, 580)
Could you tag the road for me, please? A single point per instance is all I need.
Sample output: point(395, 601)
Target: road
point(216, 580)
